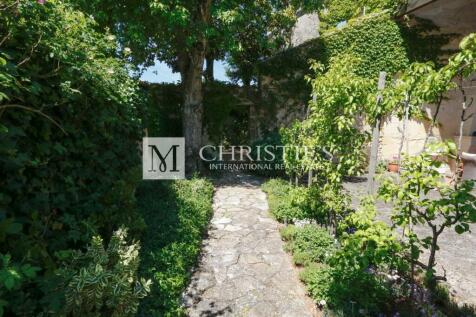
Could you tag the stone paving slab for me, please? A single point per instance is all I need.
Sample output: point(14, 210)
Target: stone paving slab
point(243, 270)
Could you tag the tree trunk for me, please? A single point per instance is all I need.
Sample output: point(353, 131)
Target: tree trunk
point(404, 128)
point(432, 257)
point(192, 116)
point(190, 63)
point(209, 68)
point(376, 137)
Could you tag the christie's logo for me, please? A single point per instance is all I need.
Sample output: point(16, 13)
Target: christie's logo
point(163, 158)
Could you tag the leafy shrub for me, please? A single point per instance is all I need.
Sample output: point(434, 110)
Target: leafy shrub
point(68, 133)
point(308, 244)
point(13, 276)
point(288, 203)
point(285, 201)
point(369, 254)
point(317, 278)
point(177, 215)
point(453, 207)
point(104, 281)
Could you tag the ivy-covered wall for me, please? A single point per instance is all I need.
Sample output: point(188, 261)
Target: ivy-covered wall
point(381, 42)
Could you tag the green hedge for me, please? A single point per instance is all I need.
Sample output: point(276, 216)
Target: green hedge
point(68, 151)
point(177, 215)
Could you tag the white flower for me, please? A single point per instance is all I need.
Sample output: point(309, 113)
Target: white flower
point(322, 302)
point(127, 50)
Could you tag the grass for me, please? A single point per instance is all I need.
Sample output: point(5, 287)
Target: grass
point(177, 214)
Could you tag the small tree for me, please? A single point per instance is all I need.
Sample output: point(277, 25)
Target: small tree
point(331, 140)
point(454, 206)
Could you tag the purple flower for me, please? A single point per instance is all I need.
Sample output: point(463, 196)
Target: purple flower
point(41, 1)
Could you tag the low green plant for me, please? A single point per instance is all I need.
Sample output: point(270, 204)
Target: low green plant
point(177, 215)
point(318, 278)
point(280, 200)
point(369, 258)
point(308, 244)
point(103, 281)
point(12, 276)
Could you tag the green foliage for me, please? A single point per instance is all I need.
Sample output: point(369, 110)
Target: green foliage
point(331, 134)
point(317, 278)
point(177, 215)
point(287, 203)
point(67, 143)
point(13, 276)
point(375, 39)
point(104, 281)
point(279, 206)
point(160, 113)
point(419, 83)
point(320, 203)
point(369, 254)
point(453, 207)
point(336, 11)
point(308, 244)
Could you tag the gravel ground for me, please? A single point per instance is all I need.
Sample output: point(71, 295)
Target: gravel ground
point(457, 254)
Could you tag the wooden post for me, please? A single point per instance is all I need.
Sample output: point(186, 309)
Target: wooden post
point(375, 138)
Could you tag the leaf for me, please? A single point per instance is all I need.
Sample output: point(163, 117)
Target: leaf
point(460, 228)
point(9, 282)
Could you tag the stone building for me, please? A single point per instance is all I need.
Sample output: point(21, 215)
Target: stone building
point(286, 94)
point(455, 17)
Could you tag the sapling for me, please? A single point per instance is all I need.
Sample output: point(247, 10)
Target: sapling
point(454, 206)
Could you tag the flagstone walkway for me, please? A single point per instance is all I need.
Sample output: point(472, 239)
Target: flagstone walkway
point(244, 270)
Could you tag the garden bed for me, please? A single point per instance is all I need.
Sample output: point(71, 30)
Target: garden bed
point(177, 214)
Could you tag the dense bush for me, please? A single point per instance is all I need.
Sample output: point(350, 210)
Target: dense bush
point(177, 214)
point(308, 244)
point(369, 258)
point(285, 201)
point(320, 203)
point(68, 133)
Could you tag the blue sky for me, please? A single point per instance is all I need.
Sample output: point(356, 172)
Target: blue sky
point(161, 73)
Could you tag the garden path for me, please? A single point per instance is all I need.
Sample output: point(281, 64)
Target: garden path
point(243, 270)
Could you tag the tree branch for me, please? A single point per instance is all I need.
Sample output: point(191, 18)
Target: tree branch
point(31, 51)
point(41, 113)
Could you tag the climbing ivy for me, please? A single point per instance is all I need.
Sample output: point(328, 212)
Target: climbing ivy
point(336, 11)
point(375, 39)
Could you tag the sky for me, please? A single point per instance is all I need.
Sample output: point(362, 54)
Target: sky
point(161, 73)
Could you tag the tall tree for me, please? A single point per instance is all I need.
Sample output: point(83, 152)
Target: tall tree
point(182, 33)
